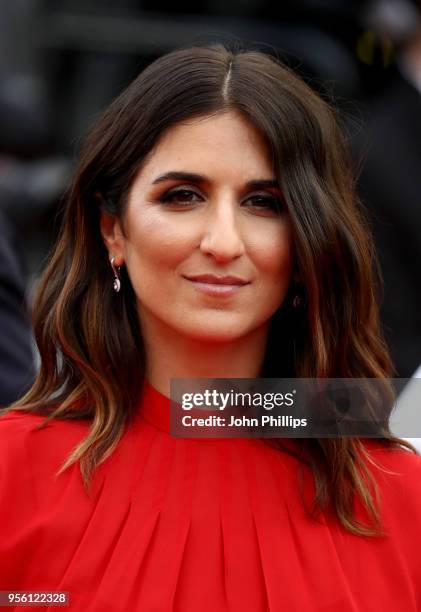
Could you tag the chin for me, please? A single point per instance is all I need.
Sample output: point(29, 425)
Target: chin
point(215, 333)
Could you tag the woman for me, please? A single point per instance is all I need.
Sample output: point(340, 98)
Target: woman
point(213, 166)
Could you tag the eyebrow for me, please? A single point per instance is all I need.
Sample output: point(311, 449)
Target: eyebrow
point(192, 177)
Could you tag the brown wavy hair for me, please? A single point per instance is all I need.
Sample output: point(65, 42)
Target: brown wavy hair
point(91, 349)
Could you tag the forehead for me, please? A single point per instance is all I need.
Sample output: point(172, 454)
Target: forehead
point(222, 144)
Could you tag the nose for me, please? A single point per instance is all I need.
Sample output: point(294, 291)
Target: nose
point(222, 237)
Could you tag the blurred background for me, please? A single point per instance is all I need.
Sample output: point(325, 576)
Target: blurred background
point(62, 62)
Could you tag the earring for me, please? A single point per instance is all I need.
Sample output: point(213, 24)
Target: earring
point(117, 281)
point(296, 302)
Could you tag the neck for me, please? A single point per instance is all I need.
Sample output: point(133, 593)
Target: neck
point(172, 355)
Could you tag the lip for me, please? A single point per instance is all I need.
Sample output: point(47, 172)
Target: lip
point(217, 280)
point(219, 286)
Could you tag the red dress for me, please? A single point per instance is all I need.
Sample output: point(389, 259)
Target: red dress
point(195, 525)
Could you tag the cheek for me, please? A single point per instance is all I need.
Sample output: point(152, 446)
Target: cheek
point(153, 244)
point(274, 256)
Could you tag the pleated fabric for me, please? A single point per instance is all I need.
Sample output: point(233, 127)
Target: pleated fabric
point(196, 525)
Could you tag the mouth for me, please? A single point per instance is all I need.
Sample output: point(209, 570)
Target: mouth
point(217, 286)
point(217, 280)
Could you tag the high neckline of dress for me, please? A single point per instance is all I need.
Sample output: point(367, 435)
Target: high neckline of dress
point(154, 407)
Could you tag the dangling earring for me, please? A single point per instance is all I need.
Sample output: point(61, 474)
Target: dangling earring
point(296, 302)
point(117, 281)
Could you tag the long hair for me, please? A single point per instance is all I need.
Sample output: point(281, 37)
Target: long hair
point(89, 340)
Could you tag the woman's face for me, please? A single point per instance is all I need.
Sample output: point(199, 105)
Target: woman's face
point(205, 203)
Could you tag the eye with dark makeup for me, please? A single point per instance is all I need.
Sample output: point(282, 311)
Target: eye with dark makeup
point(182, 197)
point(266, 202)
point(186, 197)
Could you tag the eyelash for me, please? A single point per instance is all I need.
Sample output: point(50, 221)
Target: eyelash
point(274, 202)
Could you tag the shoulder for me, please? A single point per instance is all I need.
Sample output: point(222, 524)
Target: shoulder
point(397, 472)
point(27, 437)
point(25, 423)
point(401, 459)
point(30, 459)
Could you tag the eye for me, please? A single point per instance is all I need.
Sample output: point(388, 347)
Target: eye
point(182, 197)
point(265, 202)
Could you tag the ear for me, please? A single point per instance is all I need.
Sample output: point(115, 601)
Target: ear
point(113, 237)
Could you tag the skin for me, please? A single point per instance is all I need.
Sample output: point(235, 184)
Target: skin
point(225, 228)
